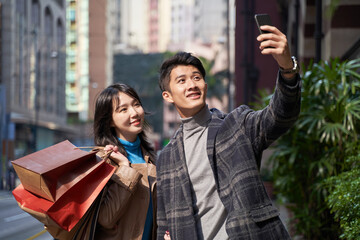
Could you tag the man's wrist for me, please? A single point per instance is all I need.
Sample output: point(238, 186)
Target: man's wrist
point(290, 72)
point(289, 79)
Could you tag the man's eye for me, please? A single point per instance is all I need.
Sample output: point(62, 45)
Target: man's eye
point(197, 78)
point(181, 81)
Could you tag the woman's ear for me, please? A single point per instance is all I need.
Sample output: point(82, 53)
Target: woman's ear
point(112, 123)
point(167, 96)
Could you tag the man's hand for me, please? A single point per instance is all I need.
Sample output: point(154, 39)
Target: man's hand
point(116, 156)
point(276, 44)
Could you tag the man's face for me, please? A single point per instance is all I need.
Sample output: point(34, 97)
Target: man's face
point(187, 90)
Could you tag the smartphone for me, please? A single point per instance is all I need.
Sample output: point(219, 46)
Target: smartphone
point(262, 19)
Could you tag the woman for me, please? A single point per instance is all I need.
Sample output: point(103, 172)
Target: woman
point(128, 206)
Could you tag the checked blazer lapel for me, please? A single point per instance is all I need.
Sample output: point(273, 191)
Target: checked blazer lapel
point(181, 191)
point(182, 171)
point(213, 128)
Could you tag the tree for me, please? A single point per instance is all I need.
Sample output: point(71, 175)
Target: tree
point(317, 146)
point(215, 84)
point(344, 198)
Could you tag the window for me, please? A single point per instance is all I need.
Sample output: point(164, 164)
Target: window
point(60, 2)
point(48, 22)
point(72, 14)
point(35, 13)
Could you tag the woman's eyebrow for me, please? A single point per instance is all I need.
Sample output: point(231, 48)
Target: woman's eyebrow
point(126, 104)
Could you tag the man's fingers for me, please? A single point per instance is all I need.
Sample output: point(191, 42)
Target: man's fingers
point(271, 29)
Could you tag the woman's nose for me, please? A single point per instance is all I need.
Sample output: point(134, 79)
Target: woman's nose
point(133, 111)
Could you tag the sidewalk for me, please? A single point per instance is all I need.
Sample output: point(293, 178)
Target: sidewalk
point(5, 194)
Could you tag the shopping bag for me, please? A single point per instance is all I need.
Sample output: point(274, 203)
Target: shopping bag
point(69, 209)
point(84, 229)
point(51, 172)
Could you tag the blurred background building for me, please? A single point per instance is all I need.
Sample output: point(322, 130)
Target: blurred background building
point(315, 30)
point(77, 61)
point(32, 77)
point(57, 55)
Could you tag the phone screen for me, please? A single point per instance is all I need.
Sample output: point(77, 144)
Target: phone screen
point(262, 19)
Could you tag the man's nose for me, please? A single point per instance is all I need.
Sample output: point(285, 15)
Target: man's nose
point(191, 83)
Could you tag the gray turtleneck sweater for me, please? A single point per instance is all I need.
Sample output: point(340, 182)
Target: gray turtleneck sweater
point(210, 213)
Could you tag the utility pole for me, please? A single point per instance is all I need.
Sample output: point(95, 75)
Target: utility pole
point(2, 132)
point(36, 90)
point(230, 87)
point(3, 111)
point(296, 28)
point(318, 31)
point(245, 63)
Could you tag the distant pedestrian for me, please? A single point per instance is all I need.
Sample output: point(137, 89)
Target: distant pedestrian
point(11, 176)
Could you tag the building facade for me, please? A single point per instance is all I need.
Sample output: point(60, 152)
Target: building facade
point(316, 30)
point(254, 71)
point(93, 32)
point(100, 49)
point(321, 30)
point(32, 76)
point(77, 61)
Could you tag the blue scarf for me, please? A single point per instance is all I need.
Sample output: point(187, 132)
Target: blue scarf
point(135, 156)
point(133, 150)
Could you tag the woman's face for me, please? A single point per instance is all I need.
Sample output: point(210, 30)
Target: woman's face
point(127, 117)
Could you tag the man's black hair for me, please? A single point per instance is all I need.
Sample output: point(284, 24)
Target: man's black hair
point(180, 58)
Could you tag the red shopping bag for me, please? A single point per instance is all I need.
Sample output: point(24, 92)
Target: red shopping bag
point(69, 208)
point(51, 172)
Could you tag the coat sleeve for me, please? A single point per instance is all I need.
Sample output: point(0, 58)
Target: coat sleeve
point(114, 203)
point(161, 214)
point(263, 127)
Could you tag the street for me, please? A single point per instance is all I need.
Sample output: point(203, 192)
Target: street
point(15, 224)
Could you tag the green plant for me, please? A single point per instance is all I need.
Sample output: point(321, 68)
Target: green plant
point(266, 174)
point(344, 198)
point(214, 81)
point(316, 147)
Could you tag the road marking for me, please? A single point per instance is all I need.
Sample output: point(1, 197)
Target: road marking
point(36, 235)
point(16, 217)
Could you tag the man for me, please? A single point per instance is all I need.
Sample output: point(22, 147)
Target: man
point(209, 185)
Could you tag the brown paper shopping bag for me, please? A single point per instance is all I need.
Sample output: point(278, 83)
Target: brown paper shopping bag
point(66, 212)
point(51, 172)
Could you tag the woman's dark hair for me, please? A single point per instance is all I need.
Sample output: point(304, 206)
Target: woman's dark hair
point(104, 134)
point(181, 58)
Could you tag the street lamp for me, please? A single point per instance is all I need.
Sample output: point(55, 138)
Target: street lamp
point(36, 87)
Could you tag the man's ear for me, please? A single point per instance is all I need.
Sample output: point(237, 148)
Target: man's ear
point(167, 96)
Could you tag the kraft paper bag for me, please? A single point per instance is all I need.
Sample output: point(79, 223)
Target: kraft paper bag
point(71, 207)
point(51, 172)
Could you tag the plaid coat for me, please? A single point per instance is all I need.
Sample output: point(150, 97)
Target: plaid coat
point(234, 146)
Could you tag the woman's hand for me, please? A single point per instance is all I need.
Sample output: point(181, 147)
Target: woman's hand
point(167, 236)
point(116, 156)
